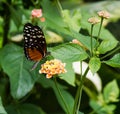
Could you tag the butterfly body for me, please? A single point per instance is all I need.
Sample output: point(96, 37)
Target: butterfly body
point(34, 42)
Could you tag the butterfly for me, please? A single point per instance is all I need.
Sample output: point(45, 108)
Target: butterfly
point(35, 48)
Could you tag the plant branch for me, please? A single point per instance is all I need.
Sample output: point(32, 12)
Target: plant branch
point(79, 101)
point(115, 50)
point(91, 39)
point(97, 40)
point(59, 6)
point(79, 92)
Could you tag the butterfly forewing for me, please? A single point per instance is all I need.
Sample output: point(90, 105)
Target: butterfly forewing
point(34, 42)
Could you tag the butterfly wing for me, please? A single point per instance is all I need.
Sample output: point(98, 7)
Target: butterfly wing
point(34, 42)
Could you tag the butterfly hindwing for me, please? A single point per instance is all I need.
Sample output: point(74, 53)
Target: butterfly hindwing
point(34, 42)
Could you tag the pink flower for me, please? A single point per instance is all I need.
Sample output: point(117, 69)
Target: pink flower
point(93, 20)
point(75, 41)
point(36, 13)
point(103, 14)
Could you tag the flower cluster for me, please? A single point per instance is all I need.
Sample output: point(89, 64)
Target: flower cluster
point(75, 41)
point(52, 67)
point(93, 20)
point(103, 14)
point(37, 13)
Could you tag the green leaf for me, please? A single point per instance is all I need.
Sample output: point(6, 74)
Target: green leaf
point(52, 19)
point(64, 28)
point(107, 45)
point(69, 76)
point(72, 20)
point(95, 106)
point(24, 109)
point(47, 83)
point(109, 109)
point(111, 92)
point(68, 98)
point(13, 63)
point(69, 52)
point(85, 40)
point(16, 15)
point(105, 109)
point(2, 110)
point(94, 64)
point(80, 112)
point(105, 34)
point(114, 61)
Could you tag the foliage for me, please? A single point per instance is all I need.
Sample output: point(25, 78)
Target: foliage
point(24, 91)
point(2, 110)
point(103, 103)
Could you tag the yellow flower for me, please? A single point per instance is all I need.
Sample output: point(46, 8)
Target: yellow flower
point(103, 14)
point(93, 20)
point(52, 67)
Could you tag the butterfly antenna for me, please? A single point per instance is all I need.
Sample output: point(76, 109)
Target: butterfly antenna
point(34, 65)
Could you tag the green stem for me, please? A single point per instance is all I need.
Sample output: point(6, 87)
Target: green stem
point(91, 39)
point(100, 28)
point(97, 40)
point(115, 50)
point(59, 6)
point(79, 92)
point(61, 95)
point(79, 101)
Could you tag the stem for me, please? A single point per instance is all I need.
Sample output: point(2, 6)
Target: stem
point(110, 53)
point(91, 39)
point(59, 6)
point(79, 101)
point(99, 32)
point(100, 28)
point(61, 95)
point(79, 92)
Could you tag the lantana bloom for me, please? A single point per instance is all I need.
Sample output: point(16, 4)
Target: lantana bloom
point(93, 20)
point(52, 67)
point(103, 14)
point(37, 13)
point(75, 41)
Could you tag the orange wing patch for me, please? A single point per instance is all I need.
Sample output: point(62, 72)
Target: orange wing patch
point(34, 54)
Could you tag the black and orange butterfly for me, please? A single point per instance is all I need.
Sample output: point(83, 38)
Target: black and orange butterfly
point(35, 47)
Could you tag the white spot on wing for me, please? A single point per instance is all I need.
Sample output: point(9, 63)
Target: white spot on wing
point(31, 40)
point(34, 36)
point(29, 26)
point(28, 34)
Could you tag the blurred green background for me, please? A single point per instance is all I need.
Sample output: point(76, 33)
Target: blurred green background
point(38, 96)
